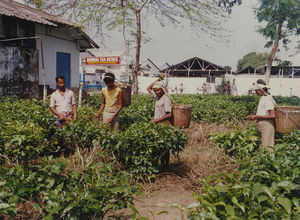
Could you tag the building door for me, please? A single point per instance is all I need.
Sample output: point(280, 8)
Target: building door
point(63, 66)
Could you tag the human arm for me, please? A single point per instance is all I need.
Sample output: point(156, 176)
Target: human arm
point(74, 109)
point(101, 107)
point(120, 95)
point(59, 115)
point(167, 116)
point(271, 115)
point(149, 88)
point(167, 110)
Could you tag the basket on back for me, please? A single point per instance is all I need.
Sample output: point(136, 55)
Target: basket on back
point(181, 115)
point(287, 118)
point(126, 90)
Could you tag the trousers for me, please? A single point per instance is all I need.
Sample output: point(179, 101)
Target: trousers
point(108, 114)
point(266, 130)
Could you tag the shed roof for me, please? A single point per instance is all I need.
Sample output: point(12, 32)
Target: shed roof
point(24, 12)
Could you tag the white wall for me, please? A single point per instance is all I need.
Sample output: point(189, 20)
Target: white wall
point(52, 45)
point(279, 86)
point(191, 85)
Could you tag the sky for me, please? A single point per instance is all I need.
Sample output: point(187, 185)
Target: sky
point(176, 45)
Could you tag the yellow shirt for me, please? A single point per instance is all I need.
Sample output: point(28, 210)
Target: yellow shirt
point(111, 97)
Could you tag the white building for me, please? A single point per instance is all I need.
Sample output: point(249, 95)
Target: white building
point(95, 63)
point(22, 30)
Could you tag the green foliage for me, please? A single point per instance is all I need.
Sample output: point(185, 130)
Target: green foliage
point(83, 132)
point(221, 89)
point(252, 59)
point(280, 12)
point(140, 146)
point(217, 108)
point(25, 129)
point(266, 186)
point(140, 110)
point(290, 101)
point(240, 143)
point(58, 193)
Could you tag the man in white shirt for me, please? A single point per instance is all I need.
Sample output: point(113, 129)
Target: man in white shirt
point(163, 111)
point(62, 103)
point(265, 115)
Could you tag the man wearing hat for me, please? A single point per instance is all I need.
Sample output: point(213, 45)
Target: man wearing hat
point(163, 110)
point(111, 102)
point(265, 115)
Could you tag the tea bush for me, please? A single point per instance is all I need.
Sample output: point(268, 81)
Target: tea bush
point(60, 193)
point(140, 147)
point(239, 143)
point(26, 129)
point(266, 186)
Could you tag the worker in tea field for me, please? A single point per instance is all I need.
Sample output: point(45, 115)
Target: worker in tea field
point(112, 102)
point(265, 115)
point(163, 110)
point(62, 103)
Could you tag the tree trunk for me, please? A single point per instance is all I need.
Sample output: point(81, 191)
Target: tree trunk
point(272, 54)
point(138, 50)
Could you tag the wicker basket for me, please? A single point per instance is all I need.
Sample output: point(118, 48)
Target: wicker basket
point(126, 90)
point(287, 118)
point(181, 115)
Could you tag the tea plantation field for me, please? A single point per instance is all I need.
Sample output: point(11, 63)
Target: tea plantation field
point(86, 170)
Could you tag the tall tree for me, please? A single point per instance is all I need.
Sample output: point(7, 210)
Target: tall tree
point(204, 16)
point(253, 59)
point(280, 18)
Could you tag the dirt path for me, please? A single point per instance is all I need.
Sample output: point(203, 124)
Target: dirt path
point(177, 185)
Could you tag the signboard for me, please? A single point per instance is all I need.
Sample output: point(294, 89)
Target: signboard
point(102, 60)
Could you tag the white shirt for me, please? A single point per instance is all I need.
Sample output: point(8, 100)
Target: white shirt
point(265, 104)
point(62, 104)
point(162, 105)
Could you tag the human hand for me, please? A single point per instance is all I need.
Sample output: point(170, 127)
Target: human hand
point(252, 117)
point(61, 116)
point(110, 120)
point(153, 121)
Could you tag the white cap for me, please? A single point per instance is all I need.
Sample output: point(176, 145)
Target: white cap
point(258, 86)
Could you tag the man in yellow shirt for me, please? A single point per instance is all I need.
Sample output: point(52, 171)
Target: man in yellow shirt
point(111, 102)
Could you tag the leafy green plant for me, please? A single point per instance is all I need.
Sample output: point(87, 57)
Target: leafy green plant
point(25, 129)
point(65, 194)
point(140, 147)
point(239, 143)
point(265, 186)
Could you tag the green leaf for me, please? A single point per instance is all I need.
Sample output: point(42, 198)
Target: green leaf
point(230, 210)
point(235, 201)
point(4, 205)
point(285, 203)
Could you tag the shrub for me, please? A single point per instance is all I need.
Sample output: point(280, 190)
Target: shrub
point(266, 186)
point(65, 194)
point(140, 147)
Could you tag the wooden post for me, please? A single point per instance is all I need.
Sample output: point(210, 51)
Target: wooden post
point(43, 71)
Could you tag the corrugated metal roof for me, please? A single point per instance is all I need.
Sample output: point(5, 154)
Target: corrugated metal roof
point(21, 11)
point(15, 9)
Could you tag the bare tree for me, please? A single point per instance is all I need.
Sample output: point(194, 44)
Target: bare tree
point(205, 16)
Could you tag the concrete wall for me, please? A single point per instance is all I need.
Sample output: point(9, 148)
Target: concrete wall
point(19, 72)
point(190, 85)
point(53, 43)
point(279, 86)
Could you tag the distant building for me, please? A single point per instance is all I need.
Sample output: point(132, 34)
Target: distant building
point(196, 67)
point(148, 68)
point(22, 29)
point(95, 63)
point(276, 72)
